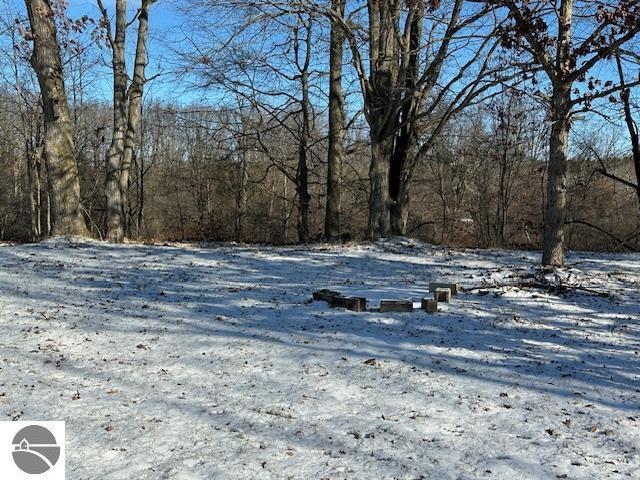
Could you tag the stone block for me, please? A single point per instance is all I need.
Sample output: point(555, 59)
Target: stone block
point(396, 306)
point(429, 305)
point(325, 295)
point(442, 295)
point(454, 287)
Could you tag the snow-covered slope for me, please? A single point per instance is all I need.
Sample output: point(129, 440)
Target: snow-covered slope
point(185, 362)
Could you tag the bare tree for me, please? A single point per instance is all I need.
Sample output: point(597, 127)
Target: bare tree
point(127, 108)
point(406, 97)
point(632, 128)
point(59, 151)
point(567, 38)
point(335, 155)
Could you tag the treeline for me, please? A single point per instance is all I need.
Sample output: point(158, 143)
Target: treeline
point(459, 122)
point(199, 174)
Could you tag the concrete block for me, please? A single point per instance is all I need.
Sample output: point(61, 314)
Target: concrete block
point(396, 306)
point(325, 295)
point(454, 287)
point(429, 306)
point(442, 295)
point(356, 304)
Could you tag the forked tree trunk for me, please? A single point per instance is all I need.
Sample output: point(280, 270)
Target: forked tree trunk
point(115, 223)
point(127, 110)
point(553, 246)
point(135, 94)
point(59, 151)
point(336, 127)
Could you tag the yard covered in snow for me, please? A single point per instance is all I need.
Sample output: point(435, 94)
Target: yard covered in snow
point(186, 362)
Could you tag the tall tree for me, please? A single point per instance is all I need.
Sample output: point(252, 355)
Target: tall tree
point(115, 207)
point(567, 38)
point(135, 97)
point(127, 108)
point(59, 150)
point(407, 99)
point(336, 125)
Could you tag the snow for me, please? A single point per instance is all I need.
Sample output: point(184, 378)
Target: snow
point(202, 362)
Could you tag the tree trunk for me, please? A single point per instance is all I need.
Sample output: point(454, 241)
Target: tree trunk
point(141, 174)
point(285, 208)
point(336, 128)
point(134, 113)
point(38, 193)
point(302, 174)
point(400, 172)
point(553, 246)
point(241, 193)
point(406, 138)
point(32, 196)
point(115, 220)
point(503, 192)
point(380, 109)
point(379, 200)
point(302, 177)
point(400, 208)
point(59, 151)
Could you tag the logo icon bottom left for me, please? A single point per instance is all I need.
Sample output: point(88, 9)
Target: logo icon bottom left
point(35, 450)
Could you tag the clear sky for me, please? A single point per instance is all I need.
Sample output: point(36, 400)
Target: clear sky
point(167, 27)
point(164, 24)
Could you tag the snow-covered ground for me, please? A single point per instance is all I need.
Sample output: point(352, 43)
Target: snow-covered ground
point(185, 362)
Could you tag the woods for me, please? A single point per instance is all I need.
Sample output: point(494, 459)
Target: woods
point(320, 239)
point(460, 122)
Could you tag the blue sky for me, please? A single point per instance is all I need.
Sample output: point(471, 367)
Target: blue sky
point(164, 22)
point(166, 26)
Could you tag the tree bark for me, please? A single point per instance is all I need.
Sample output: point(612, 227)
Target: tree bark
point(59, 150)
point(400, 206)
point(336, 127)
point(285, 208)
point(302, 173)
point(302, 177)
point(33, 174)
point(406, 139)
point(379, 200)
point(115, 223)
point(380, 112)
point(135, 96)
point(242, 198)
point(553, 245)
